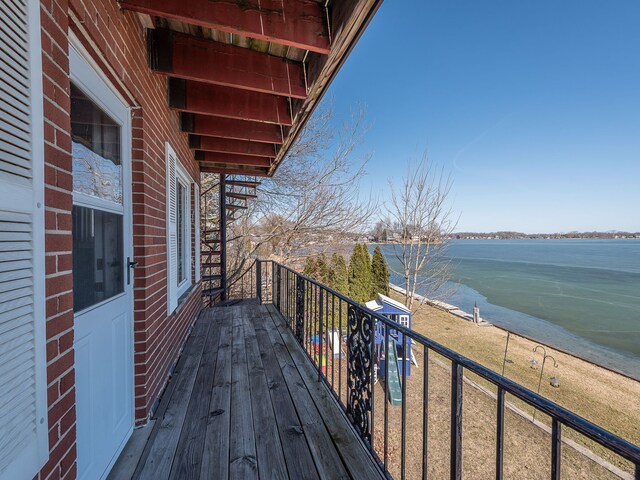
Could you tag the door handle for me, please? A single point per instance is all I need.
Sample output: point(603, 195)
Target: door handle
point(130, 265)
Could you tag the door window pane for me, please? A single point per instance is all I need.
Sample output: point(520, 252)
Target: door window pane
point(97, 168)
point(98, 266)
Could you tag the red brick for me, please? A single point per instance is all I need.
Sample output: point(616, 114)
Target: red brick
point(68, 420)
point(58, 199)
point(52, 393)
point(61, 407)
point(59, 366)
point(64, 221)
point(72, 472)
point(65, 262)
point(54, 434)
point(67, 382)
point(59, 242)
point(59, 284)
point(52, 349)
point(67, 464)
point(50, 264)
point(65, 342)
point(57, 157)
point(64, 180)
point(56, 115)
point(57, 325)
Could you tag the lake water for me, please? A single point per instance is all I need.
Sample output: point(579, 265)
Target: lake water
point(582, 296)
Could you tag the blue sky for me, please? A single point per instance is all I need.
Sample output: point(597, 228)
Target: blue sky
point(533, 106)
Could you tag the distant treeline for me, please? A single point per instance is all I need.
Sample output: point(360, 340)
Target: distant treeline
point(520, 235)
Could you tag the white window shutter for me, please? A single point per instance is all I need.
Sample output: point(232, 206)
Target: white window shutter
point(172, 232)
point(23, 386)
point(196, 220)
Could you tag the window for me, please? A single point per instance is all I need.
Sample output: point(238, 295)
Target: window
point(98, 258)
point(178, 230)
point(97, 169)
point(404, 320)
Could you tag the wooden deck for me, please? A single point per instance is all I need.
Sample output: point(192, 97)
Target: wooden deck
point(245, 403)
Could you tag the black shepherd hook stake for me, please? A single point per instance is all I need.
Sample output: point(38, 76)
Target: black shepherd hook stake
point(544, 359)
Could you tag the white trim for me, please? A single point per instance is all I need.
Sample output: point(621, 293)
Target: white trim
point(196, 241)
point(85, 200)
point(185, 180)
point(37, 130)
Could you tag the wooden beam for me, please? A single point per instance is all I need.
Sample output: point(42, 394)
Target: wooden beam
point(257, 172)
point(207, 99)
point(199, 59)
point(298, 23)
point(226, 159)
point(232, 129)
point(237, 147)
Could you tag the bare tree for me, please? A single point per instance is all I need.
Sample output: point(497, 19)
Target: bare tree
point(419, 212)
point(313, 199)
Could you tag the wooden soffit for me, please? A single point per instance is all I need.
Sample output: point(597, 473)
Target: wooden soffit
point(246, 75)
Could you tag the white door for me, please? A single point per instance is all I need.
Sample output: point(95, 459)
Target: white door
point(103, 281)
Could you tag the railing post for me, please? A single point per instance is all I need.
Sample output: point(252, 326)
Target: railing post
point(279, 286)
point(456, 421)
point(359, 367)
point(320, 329)
point(259, 280)
point(556, 445)
point(500, 435)
point(300, 309)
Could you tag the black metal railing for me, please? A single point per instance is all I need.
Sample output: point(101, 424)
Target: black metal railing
point(346, 342)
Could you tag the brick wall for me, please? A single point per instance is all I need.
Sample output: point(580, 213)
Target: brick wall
point(117, 44)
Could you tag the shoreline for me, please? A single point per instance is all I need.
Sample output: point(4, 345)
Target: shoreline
point(458, 312)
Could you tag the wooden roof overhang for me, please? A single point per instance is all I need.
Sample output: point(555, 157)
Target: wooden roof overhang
point(246, 75)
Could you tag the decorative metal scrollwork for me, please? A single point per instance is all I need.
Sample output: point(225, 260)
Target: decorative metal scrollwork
point(300, 310)
point(359, 365)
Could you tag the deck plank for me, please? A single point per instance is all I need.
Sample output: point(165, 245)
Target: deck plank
point(186, 464)
point(271, 463)
point(215, 456)
point(354, 455)
point(298, 457)
point(325, 455)
point(163, 445)
point(242, 448)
